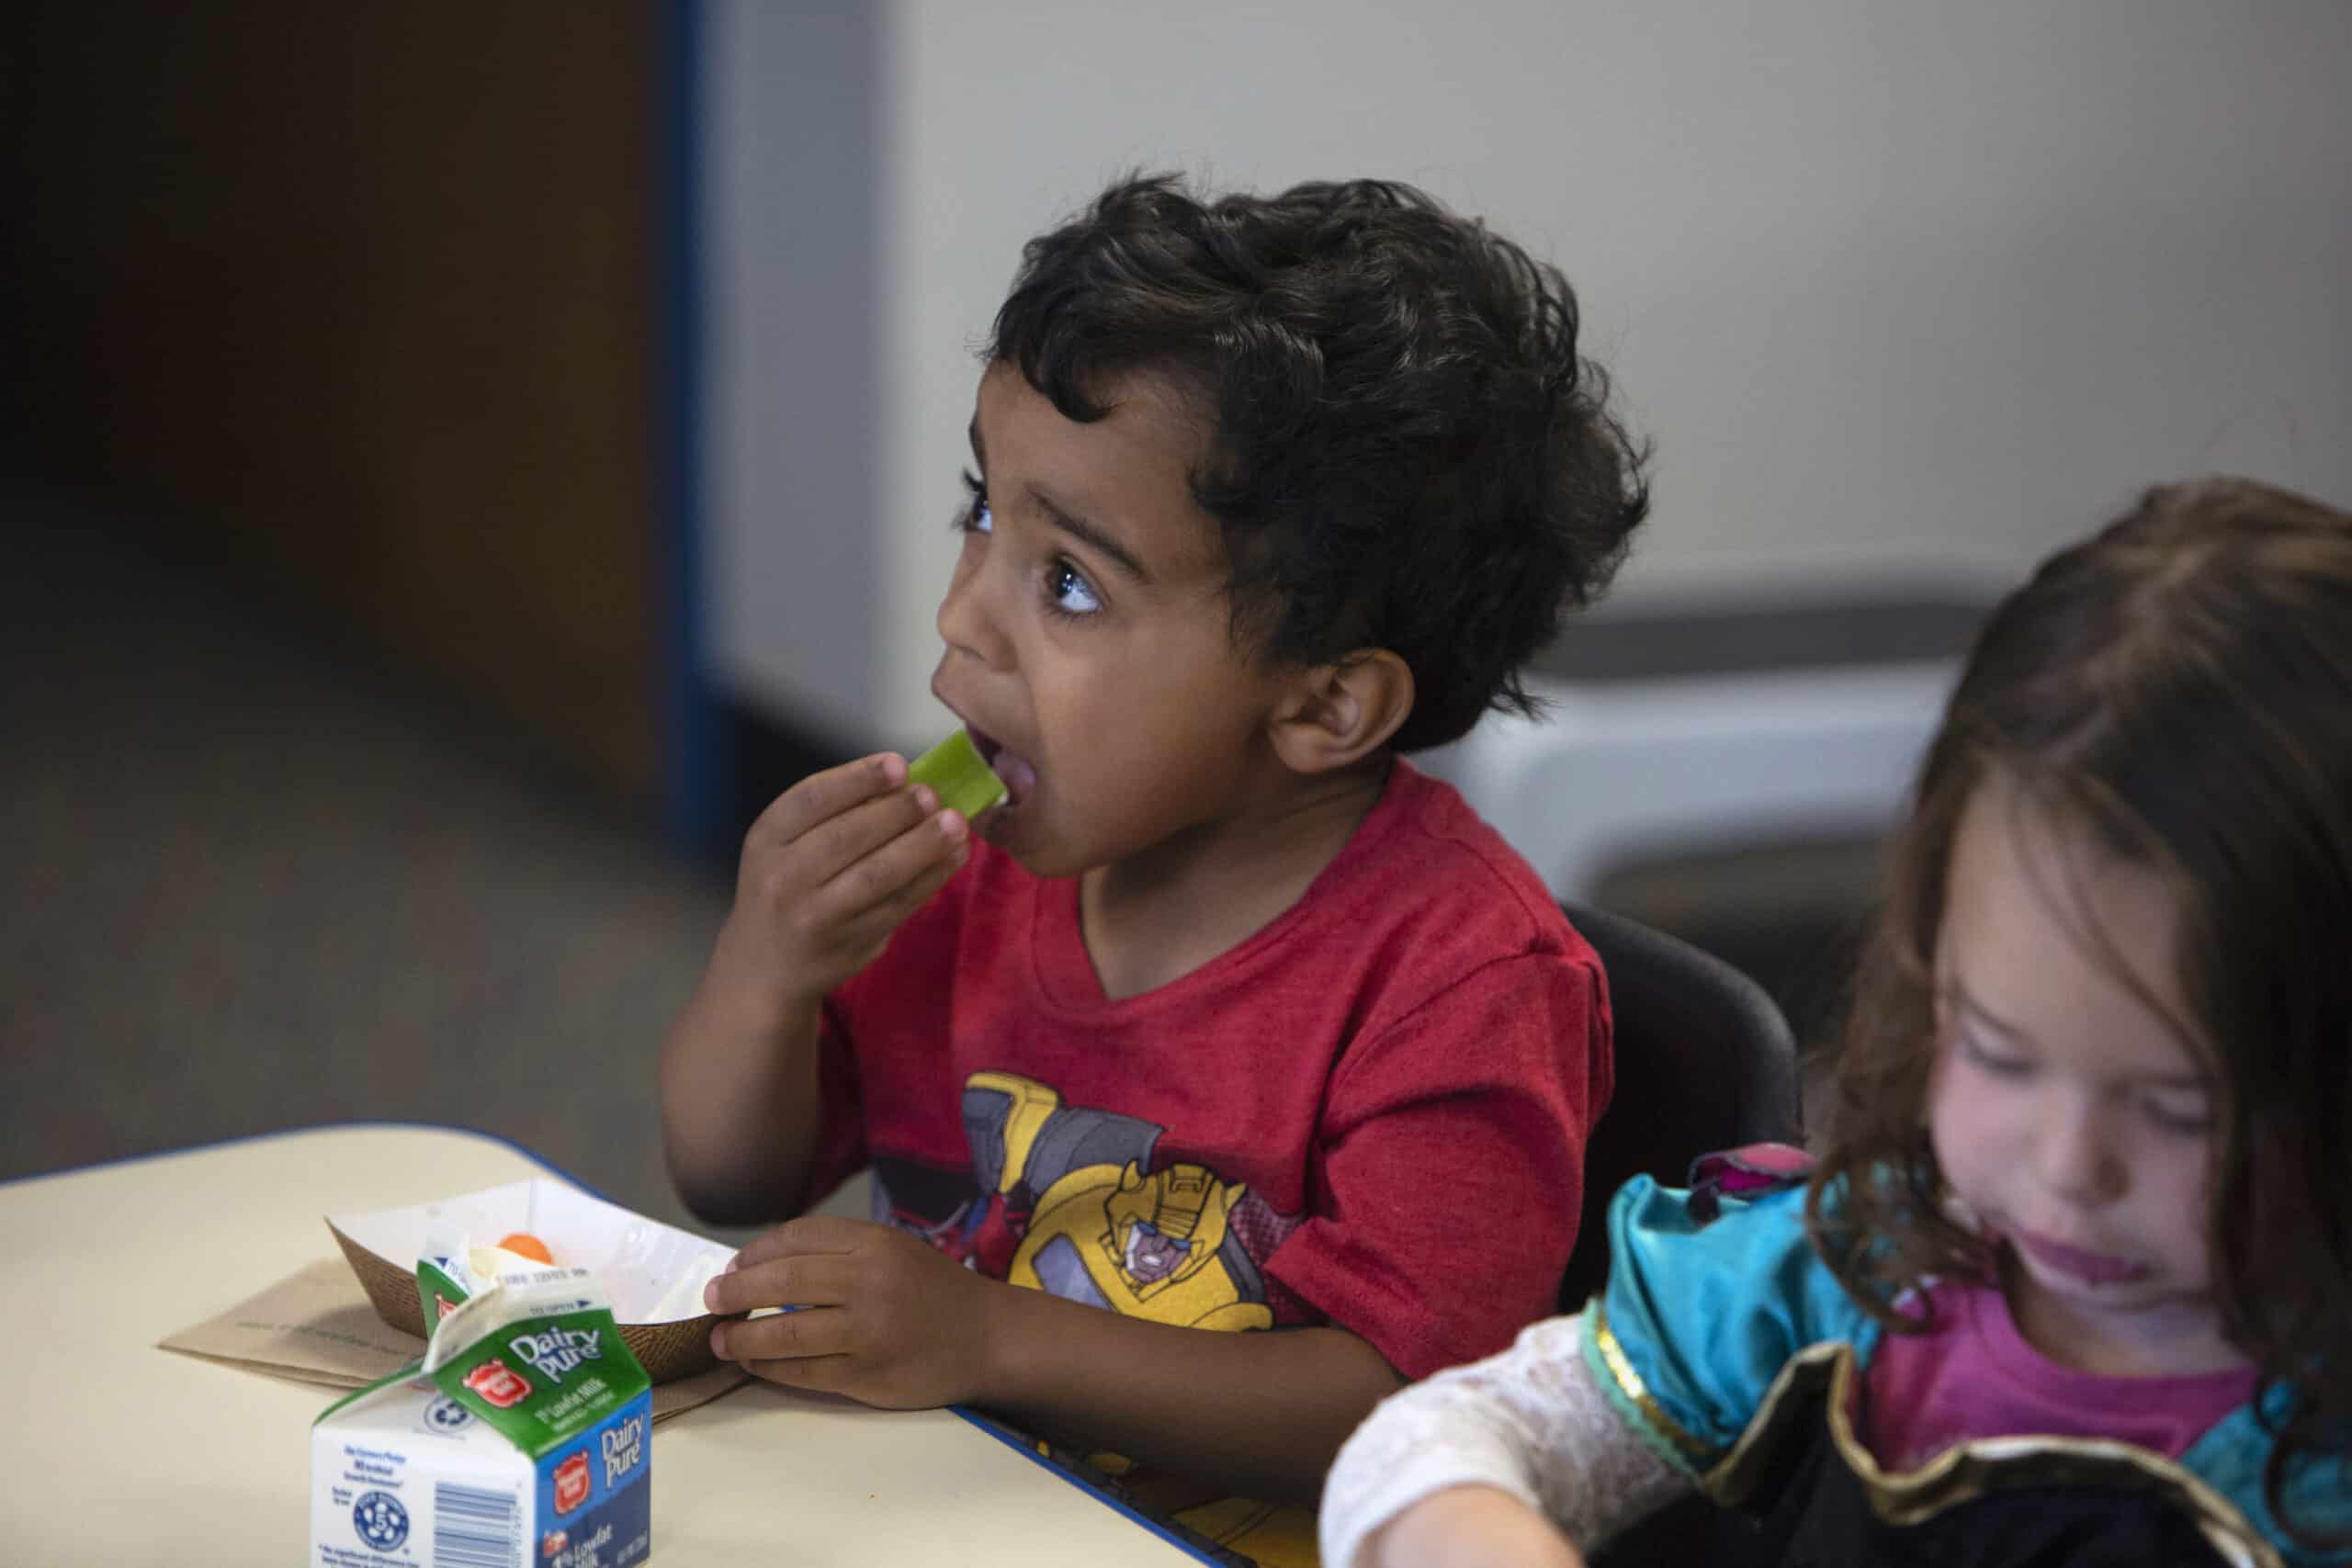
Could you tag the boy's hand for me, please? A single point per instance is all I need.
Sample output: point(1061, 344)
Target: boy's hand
point(829, 871)
point(1468, 1527)
point(884, 1317)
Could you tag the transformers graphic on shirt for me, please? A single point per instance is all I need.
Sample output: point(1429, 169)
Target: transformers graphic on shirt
point(1065, 1200)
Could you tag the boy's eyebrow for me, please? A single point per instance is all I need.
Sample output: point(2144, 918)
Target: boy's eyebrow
point(1077, 527)
point(1086, 533)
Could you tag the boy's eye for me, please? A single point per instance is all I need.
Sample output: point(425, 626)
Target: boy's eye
point(976, 517)
point(1069, 591)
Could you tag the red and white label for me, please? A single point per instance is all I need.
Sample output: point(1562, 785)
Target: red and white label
point(571, 1482)
point(498, 1383)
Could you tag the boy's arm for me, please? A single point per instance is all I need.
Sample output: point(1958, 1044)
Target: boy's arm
point(1258, 1414)
point(829, 871)
point(740, 1103)
point(886, 1319)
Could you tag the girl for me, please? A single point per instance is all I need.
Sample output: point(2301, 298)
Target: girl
point(2072, 1281)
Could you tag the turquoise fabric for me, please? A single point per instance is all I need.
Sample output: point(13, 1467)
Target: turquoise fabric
point(1707, 1312)
point(2229, 1458)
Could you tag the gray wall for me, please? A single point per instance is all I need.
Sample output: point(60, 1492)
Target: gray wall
point(1903, 290)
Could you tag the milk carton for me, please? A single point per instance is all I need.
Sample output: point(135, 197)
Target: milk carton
point(524, 1439)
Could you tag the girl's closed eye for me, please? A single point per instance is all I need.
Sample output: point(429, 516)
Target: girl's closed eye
point(2187, 1115)
point(1982, 1055)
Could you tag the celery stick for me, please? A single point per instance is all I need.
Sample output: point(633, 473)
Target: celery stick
point(956, 773)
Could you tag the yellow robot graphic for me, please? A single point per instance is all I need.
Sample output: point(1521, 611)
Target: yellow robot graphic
point(1100, 1229)
point(1150, 1246)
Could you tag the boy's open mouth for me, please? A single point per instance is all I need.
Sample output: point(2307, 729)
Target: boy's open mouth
point(1019, 776)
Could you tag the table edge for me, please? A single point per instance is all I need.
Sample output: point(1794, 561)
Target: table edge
point(355, 1124)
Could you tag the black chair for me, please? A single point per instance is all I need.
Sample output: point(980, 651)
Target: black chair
point(1704, 1062)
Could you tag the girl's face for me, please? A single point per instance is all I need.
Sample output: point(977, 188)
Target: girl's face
point(2064, 1109)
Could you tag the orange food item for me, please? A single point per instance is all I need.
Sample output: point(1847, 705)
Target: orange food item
point(522, 1244)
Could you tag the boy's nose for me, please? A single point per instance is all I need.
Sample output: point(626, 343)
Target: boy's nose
point(967, 620)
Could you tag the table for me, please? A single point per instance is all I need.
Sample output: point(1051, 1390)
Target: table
point(121, 1452)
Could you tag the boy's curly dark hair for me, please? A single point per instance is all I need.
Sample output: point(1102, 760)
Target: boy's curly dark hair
point(1407, 451)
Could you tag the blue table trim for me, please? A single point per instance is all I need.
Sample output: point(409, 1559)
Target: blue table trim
point(1101, 1494)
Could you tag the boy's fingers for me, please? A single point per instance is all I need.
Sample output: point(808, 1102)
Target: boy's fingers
point(858, 858)
point(811, 1233)
point(816, 1374)
point(894, 878)
point(870, 929)
point(751, 1288)
point(916, 894)
point(810, 1279)
point(788, 1336)
point(827, 795)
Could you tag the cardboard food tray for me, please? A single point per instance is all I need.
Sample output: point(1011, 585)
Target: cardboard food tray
point(653, 1273)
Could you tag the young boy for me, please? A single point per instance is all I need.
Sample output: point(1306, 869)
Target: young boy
point(1231, 1019)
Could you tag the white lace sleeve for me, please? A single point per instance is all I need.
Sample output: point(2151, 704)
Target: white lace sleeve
point(1532, 1421)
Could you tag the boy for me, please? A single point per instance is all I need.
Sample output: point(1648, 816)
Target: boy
point(1231, 1019)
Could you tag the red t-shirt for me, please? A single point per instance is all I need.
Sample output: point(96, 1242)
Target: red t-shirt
point(1373, 1112)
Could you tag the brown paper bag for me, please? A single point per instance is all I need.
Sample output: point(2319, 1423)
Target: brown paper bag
point(316, 1327)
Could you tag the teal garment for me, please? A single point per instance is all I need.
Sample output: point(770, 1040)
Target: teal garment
point(1700, 1316)
point(1708, 1312)
point(2319, 1495)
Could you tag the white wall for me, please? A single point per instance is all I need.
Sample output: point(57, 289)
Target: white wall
point(1899, 289)
point(794, 576)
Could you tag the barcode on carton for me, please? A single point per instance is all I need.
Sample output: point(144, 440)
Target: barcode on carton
point(473, 1527)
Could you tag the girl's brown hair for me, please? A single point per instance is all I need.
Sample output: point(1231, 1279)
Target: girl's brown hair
point(2180, 686)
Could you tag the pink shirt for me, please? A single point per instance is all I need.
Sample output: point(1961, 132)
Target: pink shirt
point(1974, 1376)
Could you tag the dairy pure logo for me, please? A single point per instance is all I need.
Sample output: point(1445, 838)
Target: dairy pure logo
point(623, 1450)
point(499, 1384)
point(558, 1351)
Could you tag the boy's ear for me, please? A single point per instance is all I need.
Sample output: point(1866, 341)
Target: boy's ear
point(1339, 714)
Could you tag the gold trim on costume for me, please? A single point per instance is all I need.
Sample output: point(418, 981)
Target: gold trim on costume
point(1630, 1385)
point(1977, 1467)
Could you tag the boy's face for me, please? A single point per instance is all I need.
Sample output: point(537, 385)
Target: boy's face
point(1089, 635)
point(2063, 1108)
